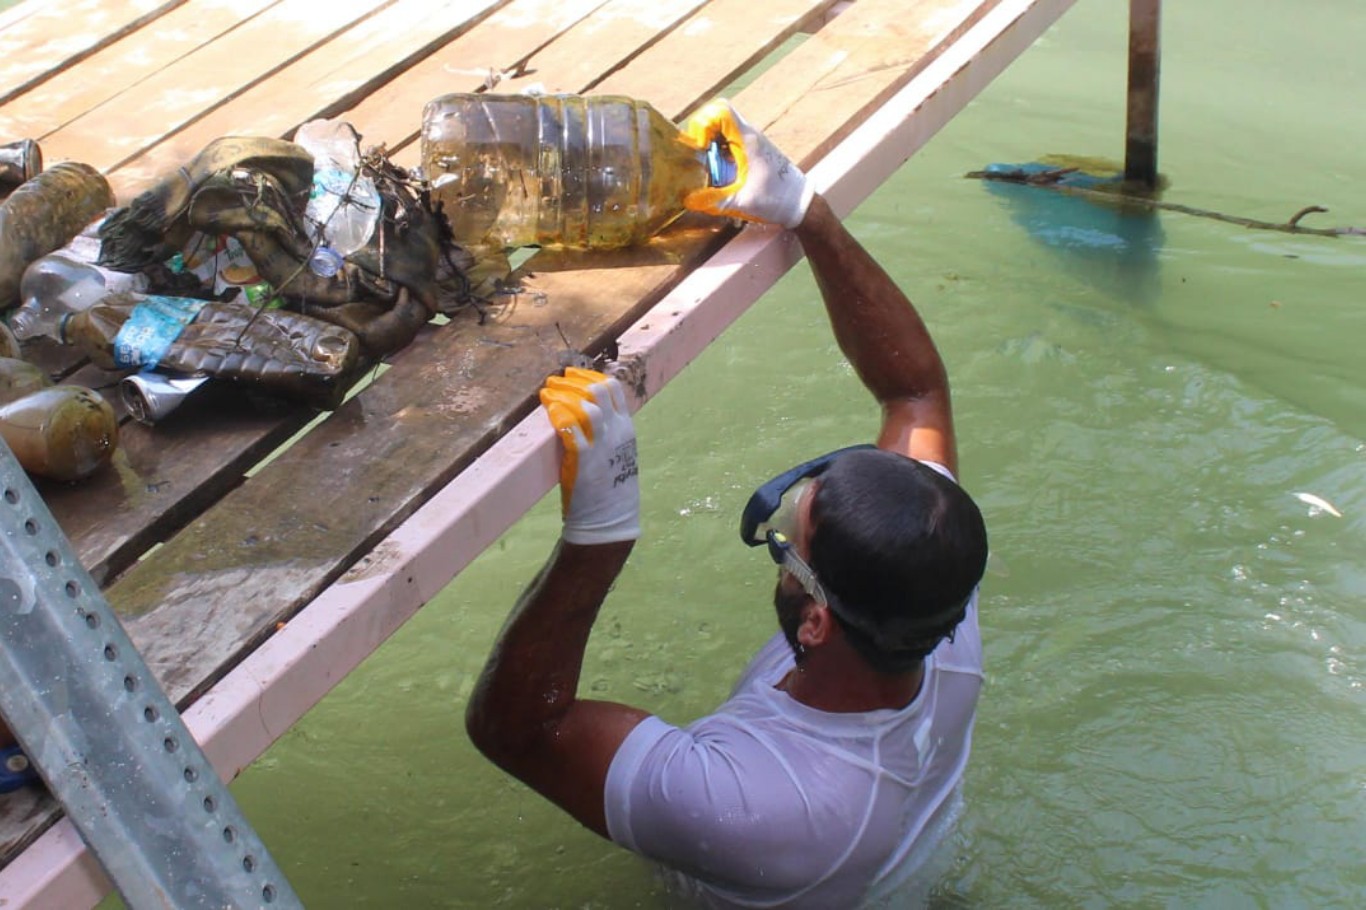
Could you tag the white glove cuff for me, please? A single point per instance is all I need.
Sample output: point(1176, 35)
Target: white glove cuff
point(608, 532)
point(792, 215)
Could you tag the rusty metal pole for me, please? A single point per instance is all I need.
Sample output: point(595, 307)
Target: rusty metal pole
point(1140, 147)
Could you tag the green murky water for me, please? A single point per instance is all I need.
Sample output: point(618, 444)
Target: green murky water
point(1174, 714)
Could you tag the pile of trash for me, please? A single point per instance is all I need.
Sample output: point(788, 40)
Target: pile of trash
point(287, 267)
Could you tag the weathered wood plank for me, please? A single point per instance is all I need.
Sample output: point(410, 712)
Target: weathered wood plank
point(470, 63)
point(620, 29)
point(120, 64)
point(856, 61)
point(232, 575)
point(162, 477)
point(717, 43)
point(608, 37)
point(203, 80)
point(40, 40)
point(329, 77)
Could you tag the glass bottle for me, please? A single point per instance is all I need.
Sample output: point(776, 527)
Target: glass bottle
point(63, 433)
point(277, 351)
point(584, 172)
point(61, 283)
point(19, 378)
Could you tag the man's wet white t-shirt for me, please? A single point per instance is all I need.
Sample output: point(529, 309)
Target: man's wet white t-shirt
point(769, 802)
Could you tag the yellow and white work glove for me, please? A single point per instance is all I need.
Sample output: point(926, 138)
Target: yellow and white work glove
point(767, 188)
point(599, 482)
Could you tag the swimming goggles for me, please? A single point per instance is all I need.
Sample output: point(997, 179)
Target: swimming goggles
point(770, 517)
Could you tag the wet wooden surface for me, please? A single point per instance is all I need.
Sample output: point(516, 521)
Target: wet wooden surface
point(239, 550)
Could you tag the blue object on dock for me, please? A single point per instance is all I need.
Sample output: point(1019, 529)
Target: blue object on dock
point(15, 769)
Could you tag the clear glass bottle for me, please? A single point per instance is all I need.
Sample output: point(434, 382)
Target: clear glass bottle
point(61, 283)
point(584, 172)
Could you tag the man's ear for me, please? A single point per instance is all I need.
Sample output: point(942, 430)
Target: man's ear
point(818, 625)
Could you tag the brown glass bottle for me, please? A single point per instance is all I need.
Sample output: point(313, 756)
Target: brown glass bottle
point(62, 433)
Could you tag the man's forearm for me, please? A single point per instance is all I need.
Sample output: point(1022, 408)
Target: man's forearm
point(531, 679)
point(874, 322)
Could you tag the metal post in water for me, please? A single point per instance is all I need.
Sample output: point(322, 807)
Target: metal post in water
point(1140, 148)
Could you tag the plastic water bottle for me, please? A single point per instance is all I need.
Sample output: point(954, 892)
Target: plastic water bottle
point(585, 172)
point(344, 205)
point(64, 432)
point(59, 284)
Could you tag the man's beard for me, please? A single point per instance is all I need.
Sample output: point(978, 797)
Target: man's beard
point(788, 601)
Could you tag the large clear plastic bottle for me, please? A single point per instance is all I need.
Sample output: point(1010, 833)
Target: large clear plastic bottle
point(61, 283)
point(585, 172)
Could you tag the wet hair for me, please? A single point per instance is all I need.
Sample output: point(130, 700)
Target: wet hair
point(899, 549)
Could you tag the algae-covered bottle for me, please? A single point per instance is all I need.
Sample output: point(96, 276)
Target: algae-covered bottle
point(584, 172)
point(62, 433)
point(19, 378)
point(275, 351)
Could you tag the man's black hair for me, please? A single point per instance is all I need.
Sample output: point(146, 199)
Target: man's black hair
point(898, 548)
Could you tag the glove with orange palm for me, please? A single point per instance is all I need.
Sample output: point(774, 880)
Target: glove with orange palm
point(767, 187)
point(599, 482)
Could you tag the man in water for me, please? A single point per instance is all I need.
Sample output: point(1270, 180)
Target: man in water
point(834, 766)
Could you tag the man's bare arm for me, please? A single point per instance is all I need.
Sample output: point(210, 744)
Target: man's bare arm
point(525, 714)
point(884, 338)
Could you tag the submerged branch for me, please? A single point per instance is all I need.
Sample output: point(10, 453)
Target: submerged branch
point(1049, 180)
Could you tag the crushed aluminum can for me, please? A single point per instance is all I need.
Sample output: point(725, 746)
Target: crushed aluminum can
point(150, 397)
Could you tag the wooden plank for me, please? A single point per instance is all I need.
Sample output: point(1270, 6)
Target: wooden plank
point(201, 81)
point(247, 565)
point(162, 477)
point(40, 40)
point(620, 28)
point(599, 43)
point(852, 64)
point(317, 84)
point(501, 44)
point(121, 64)
point(717, 43)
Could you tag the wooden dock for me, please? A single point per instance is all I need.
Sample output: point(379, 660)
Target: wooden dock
point(254, 577)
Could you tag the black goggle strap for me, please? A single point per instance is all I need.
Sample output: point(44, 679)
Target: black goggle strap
point(769, 498)
point(912, 635)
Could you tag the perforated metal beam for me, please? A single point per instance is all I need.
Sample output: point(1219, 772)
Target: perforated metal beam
point(104, 736)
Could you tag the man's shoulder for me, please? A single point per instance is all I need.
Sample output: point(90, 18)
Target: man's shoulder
point(728, 794)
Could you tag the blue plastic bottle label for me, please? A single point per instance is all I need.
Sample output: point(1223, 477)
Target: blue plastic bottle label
point(151, 328)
